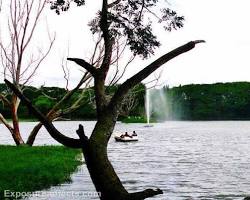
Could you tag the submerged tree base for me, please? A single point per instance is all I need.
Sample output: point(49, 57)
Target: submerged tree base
point(25, 169)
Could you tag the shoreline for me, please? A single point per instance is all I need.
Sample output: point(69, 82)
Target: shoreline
point(29, 169)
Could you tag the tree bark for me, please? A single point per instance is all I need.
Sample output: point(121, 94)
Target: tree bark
point(105, 179)
point(102, 173)
point(33, 134)
point(16, 130)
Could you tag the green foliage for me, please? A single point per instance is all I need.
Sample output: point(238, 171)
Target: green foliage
point(131, 20)
point(43, 103)
point(87, 112)
point(139, 92)
point(220, 101)
point(29, 169)
point(44, 98)
point(134, 119)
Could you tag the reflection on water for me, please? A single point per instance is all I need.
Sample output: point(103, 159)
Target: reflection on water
point(187, 160)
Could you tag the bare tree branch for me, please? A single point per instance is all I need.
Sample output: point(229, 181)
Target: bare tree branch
point(5, 100)
point(113, 3)
point(55, 112)
point(5, 122)
point(40, 61)
point(116, 78)
point(91, 69)
point(66, 71)
point(142, 7)
point(23, 20)
point(67, 141)
point(97, 44)
point(128, 103)
point(39, 11)
point(137, 78)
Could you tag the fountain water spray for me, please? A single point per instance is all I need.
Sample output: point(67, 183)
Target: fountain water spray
point(156, 102)
point(147, 106)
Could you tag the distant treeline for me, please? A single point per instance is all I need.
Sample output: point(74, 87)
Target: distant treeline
point(220, 101)
point(44, 98)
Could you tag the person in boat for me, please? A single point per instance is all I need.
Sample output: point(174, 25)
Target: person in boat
point(127, 135)
point(134, 134)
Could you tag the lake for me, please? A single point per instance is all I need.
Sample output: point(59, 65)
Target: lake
point(187, 160)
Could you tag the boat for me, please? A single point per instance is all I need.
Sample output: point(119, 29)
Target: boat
point(126, 139)
point(149, 125)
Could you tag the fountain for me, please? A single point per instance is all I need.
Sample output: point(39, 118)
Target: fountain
point(163, 109)
point(156, 102)
point(148, 108)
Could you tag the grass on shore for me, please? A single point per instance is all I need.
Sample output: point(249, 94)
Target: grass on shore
point(25, 169)
point(24, 120)
point(134, 119)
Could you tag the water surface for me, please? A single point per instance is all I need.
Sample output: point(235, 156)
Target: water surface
point(187, 160)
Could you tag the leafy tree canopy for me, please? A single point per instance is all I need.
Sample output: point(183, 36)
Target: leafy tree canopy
point(131, 19)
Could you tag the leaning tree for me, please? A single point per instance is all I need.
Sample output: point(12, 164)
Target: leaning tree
point(131, 20)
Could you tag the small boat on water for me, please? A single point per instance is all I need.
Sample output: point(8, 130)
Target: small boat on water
point(149, 125)
point(126, 139)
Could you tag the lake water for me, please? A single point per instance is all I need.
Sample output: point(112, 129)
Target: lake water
point(187, 160)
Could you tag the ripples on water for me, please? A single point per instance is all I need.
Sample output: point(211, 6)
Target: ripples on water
point(187, 160)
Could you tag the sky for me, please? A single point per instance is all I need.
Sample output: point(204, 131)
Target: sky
point(223, 24)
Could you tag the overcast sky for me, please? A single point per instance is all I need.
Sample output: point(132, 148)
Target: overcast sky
point(225, 57)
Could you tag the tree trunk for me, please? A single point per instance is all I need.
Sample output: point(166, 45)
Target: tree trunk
point(16, 131)
point(102, 173)
point(33, 134)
